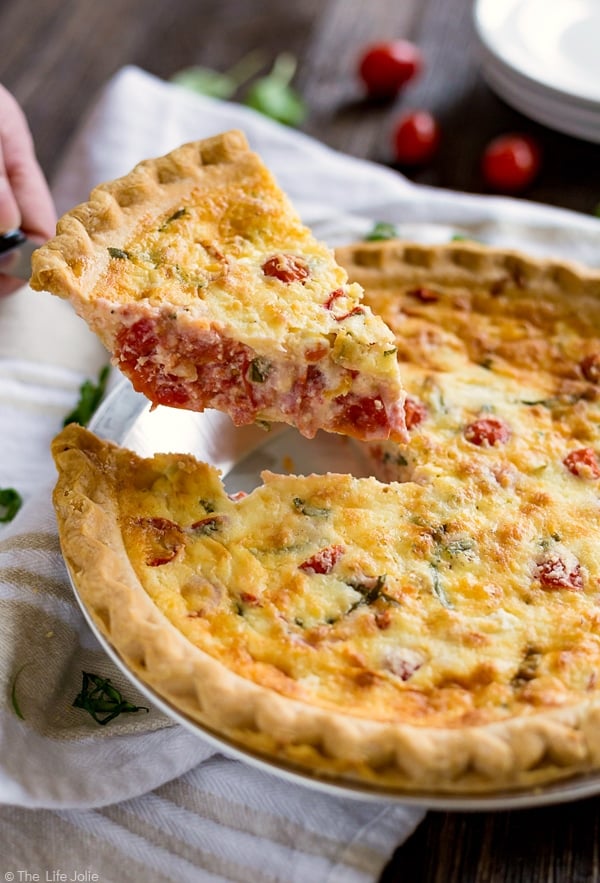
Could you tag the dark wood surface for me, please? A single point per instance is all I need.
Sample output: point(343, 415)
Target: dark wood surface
point(56, 54)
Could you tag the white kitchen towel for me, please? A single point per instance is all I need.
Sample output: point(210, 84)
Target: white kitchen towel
point(143, 798)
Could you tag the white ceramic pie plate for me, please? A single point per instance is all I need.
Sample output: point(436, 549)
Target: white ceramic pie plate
point(241, 454)
point(542, 57)
point(554, 43)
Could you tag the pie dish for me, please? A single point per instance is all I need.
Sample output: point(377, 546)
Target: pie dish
point(439, 632)
point(199, 278)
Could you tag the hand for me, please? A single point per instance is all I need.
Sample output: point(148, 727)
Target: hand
point(25, 199)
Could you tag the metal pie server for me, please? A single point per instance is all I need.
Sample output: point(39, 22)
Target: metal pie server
point(15, 254)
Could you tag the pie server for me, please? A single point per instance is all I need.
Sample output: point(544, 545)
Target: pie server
point(15, 254)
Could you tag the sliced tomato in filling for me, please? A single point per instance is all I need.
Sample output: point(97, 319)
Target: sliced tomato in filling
point(362, 416)
point(217, 372)
point(220, 373)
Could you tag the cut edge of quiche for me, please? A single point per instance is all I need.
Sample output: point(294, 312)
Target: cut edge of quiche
point(198, 276)
point(502, 755)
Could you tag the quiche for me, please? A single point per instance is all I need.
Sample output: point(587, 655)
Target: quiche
point(199, 278)
point(440, 637)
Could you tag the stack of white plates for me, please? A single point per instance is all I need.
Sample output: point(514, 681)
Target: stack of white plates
point(543, 58)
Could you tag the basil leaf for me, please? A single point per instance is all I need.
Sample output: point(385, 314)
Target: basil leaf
point(118, 253)
point(90, 396)
point(259, 370)
point(381, 231)
point(10, 503)
point(13, 694)
point(438, 588)
point(102, 700)
point(312, 511)
point(215, 84)
point(273, 95)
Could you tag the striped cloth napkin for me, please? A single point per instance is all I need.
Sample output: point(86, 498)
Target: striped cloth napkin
point(142, 798)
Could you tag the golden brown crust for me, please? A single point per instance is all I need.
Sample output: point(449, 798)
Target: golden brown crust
point(508, 754)
point(116, 208)
point(469, 264)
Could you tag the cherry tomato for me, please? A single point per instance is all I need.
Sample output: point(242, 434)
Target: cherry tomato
point(416, 138)
point(511, 162)
point(556, 573)
point(414, 412)
point(323, 561)
point(286, 268)
point(385, 67)
point(583, 462)
point(487, 432)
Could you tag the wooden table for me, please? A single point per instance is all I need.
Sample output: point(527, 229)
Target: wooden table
point(55, 55)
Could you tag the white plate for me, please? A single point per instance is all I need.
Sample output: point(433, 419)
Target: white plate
point(541, 105)
point(553, 42)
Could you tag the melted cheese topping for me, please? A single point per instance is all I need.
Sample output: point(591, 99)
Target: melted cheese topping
point(430, 604)
point(469, 354)
point(466, 594)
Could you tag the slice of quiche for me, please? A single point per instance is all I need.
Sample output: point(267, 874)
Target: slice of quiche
point(433, 636)
point(198, 276)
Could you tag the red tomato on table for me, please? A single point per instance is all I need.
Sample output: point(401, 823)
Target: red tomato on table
point(385, 67)
point(416, 138)
point(511, 162)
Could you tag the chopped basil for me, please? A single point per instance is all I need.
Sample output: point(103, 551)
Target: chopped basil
point(208, 526)
point(390, 352)
point(10, 503)
point(207, 505)
point(487, 363)
point(90, 396)
point(371, 593)
point(180, 213)
point(313, 511)
point(119, 253)
point(547, 403)
point(545, 542)
point(102, 700)
point(259, 370)
point(457, 547)
point(381, 231)
point(438, 589)
point(554, 401)
point(528, 668)
point(398, 459)
point(463, 237)
point(176, 215)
